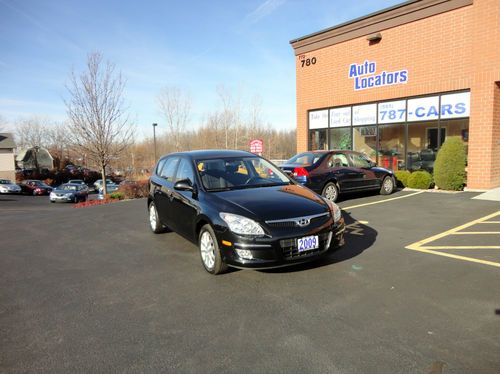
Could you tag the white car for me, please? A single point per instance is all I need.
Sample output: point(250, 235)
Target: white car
point(6, 186)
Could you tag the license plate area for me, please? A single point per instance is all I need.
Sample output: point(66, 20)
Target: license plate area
point(307, 243)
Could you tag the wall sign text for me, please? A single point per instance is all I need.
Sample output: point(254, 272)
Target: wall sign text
point(365, 76)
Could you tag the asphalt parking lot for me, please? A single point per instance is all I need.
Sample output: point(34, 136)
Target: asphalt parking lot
point(92, 290)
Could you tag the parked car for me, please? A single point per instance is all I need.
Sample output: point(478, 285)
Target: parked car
point(78, 181)
point(110, 188)
point(241, 210)
point(69, 192)
point(6, 186)
point(98, 183)
point(35, 187)
point(331, 173)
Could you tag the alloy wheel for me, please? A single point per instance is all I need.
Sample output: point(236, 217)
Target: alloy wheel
point(207, 249)
point(388, 185)
point(331, 193)
point(152, 217)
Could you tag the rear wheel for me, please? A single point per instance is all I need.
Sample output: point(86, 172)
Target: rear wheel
point(154, 221)
point(387, 186)
point(209, 251)
point(331, 192)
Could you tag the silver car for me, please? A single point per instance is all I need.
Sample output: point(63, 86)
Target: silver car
point(6, 186)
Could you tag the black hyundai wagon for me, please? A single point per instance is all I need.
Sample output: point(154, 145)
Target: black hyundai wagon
point(241, 210)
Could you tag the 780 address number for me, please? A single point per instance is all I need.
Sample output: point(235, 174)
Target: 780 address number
point(308, 61)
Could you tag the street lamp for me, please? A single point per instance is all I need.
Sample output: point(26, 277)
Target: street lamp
point(154, 138)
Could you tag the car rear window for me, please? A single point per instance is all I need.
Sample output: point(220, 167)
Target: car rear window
point(307, 158)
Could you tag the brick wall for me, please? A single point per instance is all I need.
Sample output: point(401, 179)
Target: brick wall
point(446, 52)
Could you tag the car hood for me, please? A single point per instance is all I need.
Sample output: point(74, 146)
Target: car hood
point(270, 203)
point(55, 190)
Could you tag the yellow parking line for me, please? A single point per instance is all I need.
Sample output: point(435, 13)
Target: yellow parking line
point(461, 247)
point(383, 201)
point(451, 231)
point(490, 222)
point(476, 233)
point(470, 259)
point(422, 247)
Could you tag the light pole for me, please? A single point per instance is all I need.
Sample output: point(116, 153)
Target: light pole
point(154, 138)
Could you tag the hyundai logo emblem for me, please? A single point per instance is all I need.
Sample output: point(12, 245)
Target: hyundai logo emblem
point(303, 222)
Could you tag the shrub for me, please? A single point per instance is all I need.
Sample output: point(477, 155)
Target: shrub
point(449, 168)
point(420, 179)
point(135, 190)
point(402, 177)
point(117, 195)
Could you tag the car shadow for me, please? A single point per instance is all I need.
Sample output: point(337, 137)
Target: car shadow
point(357, 195)
point(358, 238)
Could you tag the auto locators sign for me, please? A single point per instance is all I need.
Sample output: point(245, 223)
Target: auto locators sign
point(365, 76)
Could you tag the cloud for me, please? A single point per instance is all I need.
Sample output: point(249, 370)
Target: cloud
point(263, 10)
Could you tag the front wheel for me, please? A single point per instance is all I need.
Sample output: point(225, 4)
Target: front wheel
point(331, 192)
point(154, 221)
point(209, 251)
point(387, 186)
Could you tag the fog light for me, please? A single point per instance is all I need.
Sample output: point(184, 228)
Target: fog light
point(244, 254)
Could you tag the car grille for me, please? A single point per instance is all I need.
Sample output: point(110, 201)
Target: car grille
point(289, 247)
point(294, 222)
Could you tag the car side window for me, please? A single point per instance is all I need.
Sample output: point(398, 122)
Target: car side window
point(338, 160)
point(359, 161)
point(168, 170)
point(160, 165)
point(185, 171)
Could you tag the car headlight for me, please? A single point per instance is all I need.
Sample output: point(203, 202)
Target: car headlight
point(52, 194)
point(241, 225)
point(337, 213)
point(3, 189)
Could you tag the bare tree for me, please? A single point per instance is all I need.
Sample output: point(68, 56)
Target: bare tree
point(175, 105)
point(99, 124)
point(58, 141)
point(31, 132)
point(3, 122)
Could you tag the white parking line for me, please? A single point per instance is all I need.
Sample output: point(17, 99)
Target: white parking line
point(383, 201)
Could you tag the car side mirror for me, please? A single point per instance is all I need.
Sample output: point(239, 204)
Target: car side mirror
point(184, 185)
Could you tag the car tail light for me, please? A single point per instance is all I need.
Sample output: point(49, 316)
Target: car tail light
point(300, 172)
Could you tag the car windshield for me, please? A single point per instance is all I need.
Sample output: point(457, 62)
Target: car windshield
point(5, 181)
point(239, 172)
point(38, 183)
point(68, 188)
point(307, 158)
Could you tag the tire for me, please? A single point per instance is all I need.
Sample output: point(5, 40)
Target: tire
point(52, 201)
point(210, 252)
point(330, 192)
point(387, 186)
point(154, 220)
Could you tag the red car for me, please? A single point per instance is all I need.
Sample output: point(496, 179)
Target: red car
point(35, 187)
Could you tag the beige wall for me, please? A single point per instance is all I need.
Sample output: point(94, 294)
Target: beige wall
point(7, 165)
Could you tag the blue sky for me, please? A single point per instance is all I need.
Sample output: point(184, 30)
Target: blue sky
point(194, 45)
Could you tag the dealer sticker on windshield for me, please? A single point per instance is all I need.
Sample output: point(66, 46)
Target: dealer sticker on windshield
point(307, 243)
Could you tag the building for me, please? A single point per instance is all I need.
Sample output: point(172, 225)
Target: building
point(29, 158)
point(396, 83)
point(7, 161)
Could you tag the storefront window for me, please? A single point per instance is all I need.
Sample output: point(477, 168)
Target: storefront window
point(365, 141)
point(392, 146)
point(340, 138)
point(317, 139)
point(424, 140)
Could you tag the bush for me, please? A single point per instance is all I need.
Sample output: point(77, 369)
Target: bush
point(449, 168)
point(134, 190)
point(402, 177)
point(117, 195)
point(420, 179)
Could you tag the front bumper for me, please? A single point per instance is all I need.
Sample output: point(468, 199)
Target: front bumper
point(64, 199)
point(280, 249)
point(10, 191)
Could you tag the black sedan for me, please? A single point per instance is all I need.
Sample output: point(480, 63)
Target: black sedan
point(331, 173)
point(241, 210)
point(69, 192)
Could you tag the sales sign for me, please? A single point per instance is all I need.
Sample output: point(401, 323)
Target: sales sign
point(364, 115)
point(340, 117)
point(318, 119)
